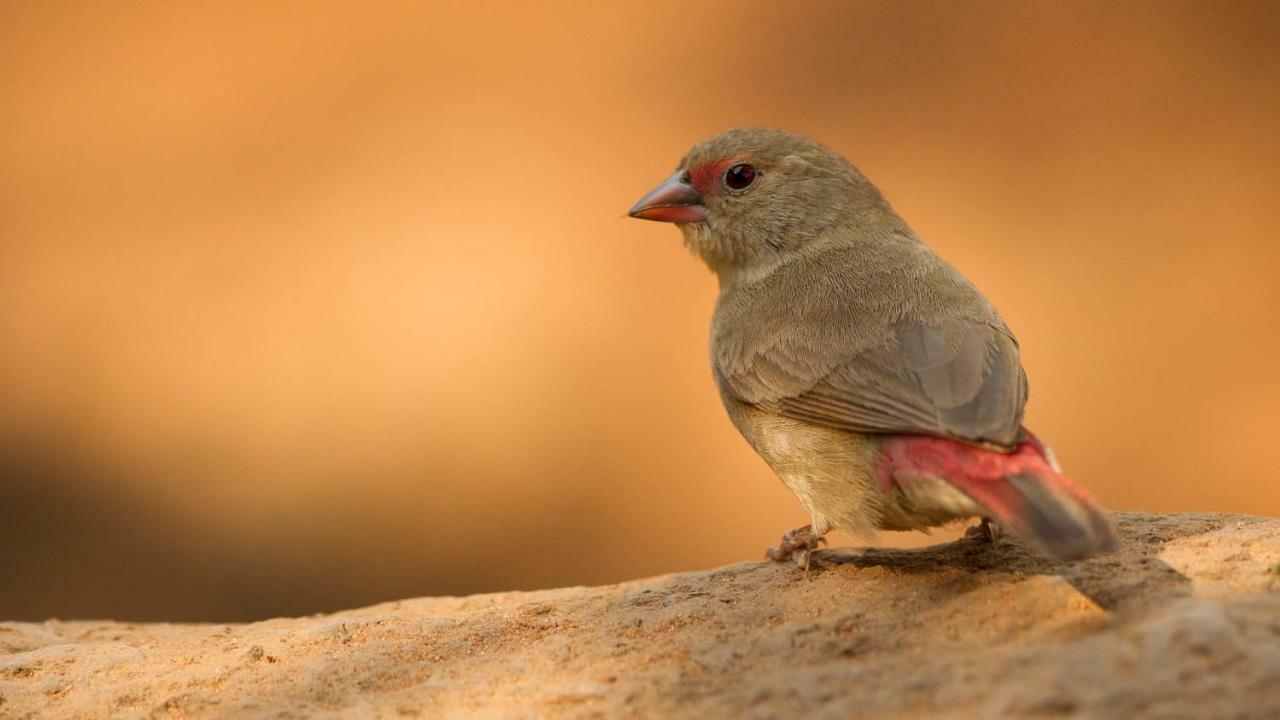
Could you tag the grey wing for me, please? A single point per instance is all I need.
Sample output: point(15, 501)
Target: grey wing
point(961, 379)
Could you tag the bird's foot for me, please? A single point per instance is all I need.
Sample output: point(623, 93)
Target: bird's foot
point(984, 532)
point(798, 545)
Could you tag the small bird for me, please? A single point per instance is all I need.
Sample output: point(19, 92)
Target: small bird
point(877, 382)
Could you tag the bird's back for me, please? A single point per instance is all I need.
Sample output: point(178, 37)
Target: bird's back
point(877, 334)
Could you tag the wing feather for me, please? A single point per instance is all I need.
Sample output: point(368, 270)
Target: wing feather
point(914, 352)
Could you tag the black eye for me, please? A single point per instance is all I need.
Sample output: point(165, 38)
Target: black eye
point(740, 176)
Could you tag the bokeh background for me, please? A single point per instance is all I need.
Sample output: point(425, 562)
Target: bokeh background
point(308, 306)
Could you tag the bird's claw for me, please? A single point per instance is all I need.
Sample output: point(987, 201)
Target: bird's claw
point(798, 545)
point(984, 532)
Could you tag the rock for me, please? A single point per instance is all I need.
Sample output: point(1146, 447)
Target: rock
point(1183, 622)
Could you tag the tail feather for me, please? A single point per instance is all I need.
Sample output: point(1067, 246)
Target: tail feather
point(1047, 511)
point(1022, 491)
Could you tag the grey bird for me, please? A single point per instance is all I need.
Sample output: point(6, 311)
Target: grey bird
point(878, 383)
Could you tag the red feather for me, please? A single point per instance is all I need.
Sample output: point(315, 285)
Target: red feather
point(1020, 490)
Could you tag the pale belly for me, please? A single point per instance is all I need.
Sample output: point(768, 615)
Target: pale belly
point(832, 474)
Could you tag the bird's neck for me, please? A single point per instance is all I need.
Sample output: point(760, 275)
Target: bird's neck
point(879, 232)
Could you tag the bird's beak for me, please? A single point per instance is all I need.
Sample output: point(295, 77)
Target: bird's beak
point(673, 201)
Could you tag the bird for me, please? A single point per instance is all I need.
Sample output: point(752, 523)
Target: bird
point(876, 381)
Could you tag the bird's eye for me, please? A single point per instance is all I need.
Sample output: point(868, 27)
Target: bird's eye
point(740, 176)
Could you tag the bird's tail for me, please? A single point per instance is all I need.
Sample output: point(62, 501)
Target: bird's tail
point(1048, 511)
point(1025, 493)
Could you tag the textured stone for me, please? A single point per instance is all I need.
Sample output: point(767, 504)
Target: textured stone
point(1183, 622)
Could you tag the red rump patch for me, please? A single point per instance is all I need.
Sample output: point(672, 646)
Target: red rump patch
point(981, 474)
point(917, 455)
point(706, 177)
point(1020, 490)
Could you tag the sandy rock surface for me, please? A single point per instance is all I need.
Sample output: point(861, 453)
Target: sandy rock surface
point(1184, 622)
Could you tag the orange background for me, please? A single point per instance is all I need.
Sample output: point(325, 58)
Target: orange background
point(309, 308)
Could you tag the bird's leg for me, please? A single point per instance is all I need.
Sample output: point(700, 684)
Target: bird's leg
point(984, 532)
point(797, 545)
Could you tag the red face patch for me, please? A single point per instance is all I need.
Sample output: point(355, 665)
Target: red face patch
point(705, 177)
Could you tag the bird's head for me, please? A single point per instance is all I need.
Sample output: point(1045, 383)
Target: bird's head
point(747, 197)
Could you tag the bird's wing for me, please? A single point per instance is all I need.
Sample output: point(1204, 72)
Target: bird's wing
point(844, 361)
point(961, 380)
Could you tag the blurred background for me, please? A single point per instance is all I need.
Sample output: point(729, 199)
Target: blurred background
point(309, 306)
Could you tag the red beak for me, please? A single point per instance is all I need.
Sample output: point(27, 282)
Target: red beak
point(673, 201)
